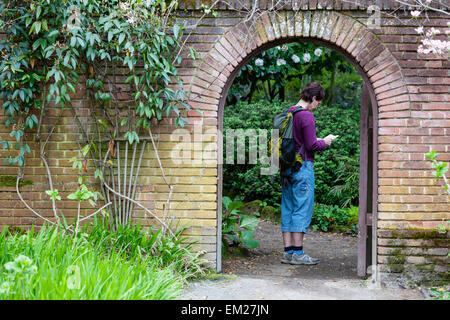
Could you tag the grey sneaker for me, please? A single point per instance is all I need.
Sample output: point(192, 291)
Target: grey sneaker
point(303, 259)
point(287, 257)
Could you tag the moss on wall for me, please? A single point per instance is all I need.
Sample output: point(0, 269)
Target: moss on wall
point(396, 261)
point(10, 181)
point(439, 239)
point(431, 270)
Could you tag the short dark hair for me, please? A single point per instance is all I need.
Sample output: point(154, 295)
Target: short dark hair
point(313, 89)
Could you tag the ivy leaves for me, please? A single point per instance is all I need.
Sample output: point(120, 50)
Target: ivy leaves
point(57, 43)
point(132, 136)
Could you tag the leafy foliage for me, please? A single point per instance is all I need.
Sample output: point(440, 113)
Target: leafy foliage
point(440, 168)
point(131, 264)
point(439, 293)
point(51, 48)
point(236, 227)
point(348, 177)
point(282, 71)
point(327, 217)
point(330, 165)
point(245, 179)
point(352, 219)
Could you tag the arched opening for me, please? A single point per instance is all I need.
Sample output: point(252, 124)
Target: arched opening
point(367, 239)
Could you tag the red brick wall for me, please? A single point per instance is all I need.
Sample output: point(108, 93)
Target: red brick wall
point(412, 93)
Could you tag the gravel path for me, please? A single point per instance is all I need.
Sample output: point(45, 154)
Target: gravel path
point(261, 275)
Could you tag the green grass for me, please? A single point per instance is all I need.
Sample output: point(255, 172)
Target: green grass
point(129, 264)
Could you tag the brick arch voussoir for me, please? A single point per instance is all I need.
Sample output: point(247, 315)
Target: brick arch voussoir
point(214, 69)
point(375, 59)
point(343, 32)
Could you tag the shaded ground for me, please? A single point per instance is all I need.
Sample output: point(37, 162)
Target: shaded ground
point(337, 254)
point(261, 275)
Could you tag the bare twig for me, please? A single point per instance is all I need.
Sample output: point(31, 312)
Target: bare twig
point(121, 201)
point(140, 205)
point(99, 210)
point(124, 221)
point(187, 37)
point(164, 176)
point(137, 173)
point(20, 176)
point(42, 152)
point(49, 175)
point(128, 211)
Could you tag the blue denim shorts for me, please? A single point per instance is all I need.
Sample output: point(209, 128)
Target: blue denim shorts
point(297, 199)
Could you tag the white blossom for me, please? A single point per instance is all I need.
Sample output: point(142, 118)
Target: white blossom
point(306, 57)
point(281, 62)
point(419, 29)
point(259, 62)
point(415, 13)
point(295, 58)
point(434, 46)
point(432, 32)
point(318, 52)
point(125, 6)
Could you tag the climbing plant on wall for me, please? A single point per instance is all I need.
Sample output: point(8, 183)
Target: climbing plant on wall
point(51, 48)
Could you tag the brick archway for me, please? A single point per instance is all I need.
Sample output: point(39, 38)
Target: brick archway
point(340, 32)
point(410, 92)
point(345, 35)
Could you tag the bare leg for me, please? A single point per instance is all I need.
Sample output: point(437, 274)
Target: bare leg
point(287, 239)
point(297, 238)
point(293, 239)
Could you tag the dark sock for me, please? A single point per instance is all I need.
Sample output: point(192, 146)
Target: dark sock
point(289, 249)
point(297, 250)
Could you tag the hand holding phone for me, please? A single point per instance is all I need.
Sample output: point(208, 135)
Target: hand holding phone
point(329, 139)
point(331, 136)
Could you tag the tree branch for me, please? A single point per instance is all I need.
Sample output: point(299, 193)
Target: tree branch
point(140, 205)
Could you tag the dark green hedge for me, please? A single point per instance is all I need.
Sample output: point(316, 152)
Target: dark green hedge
point(245, 179)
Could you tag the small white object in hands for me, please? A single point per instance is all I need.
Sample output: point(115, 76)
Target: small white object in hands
point(331, 136)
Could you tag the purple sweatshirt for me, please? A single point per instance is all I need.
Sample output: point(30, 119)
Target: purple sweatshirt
point(305, 132)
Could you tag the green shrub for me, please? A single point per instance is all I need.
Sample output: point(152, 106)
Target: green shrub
point(345, 123)
point(253, 185)
point(271, 213)
point(352, 216)
point(237, 228)
point(328, 217)
point(352, 220)
point(252, 208)
point(346, 186)
point(246, 180)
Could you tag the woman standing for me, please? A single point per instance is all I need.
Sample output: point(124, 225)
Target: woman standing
point(297, 197)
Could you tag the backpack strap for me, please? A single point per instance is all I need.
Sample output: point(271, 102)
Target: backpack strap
point(297, 110)
point(293, 113)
